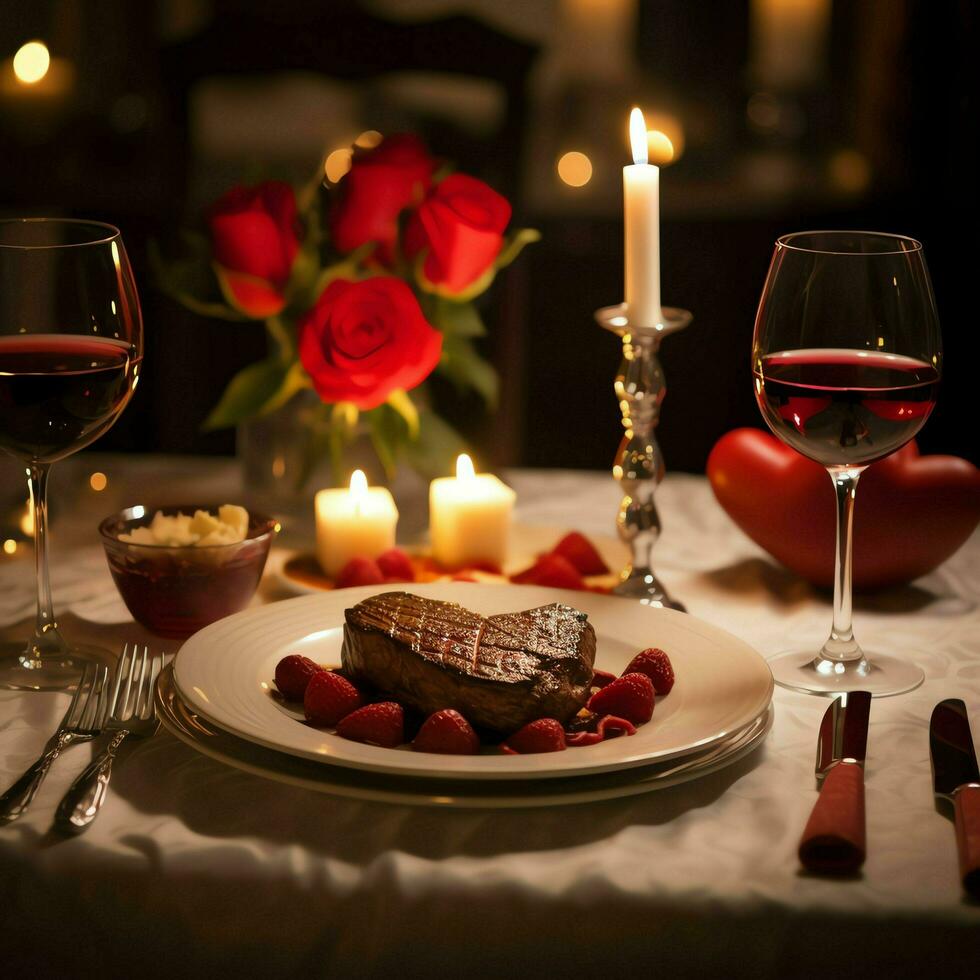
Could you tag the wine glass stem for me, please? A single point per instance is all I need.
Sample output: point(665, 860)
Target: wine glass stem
point(841, 645)
point(46, 639)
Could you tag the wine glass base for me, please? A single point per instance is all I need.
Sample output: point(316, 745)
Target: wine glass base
point(58, 672)
point(880, 675)
point(642, 584)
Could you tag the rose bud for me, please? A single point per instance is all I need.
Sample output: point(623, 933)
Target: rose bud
point(255, 236)
point(380, 184)
point(459, 229)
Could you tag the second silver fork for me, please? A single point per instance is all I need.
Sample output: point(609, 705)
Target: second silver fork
point(131, 712)
point(83, 720)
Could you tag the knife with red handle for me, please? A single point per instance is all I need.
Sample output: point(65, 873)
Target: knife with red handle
point(834, 839)
point(956, 780)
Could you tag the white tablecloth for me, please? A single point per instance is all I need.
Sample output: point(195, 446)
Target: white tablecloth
point(194, 868)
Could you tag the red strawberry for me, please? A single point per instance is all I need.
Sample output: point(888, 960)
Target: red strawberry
point(602, 678)
point(293, 673)
point(380, 724)
point(553, 571)
point(629, 697)
point(329, 697)
point(448, 733)
point(656, 665)
point(543, 735)
point(358, 571)
point(577, 549)
point(396, 566)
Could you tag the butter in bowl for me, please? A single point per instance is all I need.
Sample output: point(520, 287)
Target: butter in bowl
point(180, 568)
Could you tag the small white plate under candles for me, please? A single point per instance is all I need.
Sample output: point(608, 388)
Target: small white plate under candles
point(470, 529)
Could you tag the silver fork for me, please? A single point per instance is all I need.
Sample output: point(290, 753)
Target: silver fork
point(131, 712)
point(83, 720)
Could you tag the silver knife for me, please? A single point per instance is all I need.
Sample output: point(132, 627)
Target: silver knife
point(834, 839)
point(956, 780)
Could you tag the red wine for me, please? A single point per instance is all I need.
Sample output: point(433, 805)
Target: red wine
point(845, 407)
point(59, 392)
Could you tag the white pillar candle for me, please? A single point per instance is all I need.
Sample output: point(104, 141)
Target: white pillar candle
point(358, 522)
point(469, 517)
point(641, 227)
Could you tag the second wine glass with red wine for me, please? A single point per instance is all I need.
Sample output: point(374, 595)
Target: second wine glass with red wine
point(846, 360)
point(71, 344)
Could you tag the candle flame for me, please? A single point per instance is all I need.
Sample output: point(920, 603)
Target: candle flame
point(358, 486)
point(638, 136)
point(464, 468)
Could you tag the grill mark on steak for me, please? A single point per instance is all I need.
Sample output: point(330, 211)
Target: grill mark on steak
point(500, 672)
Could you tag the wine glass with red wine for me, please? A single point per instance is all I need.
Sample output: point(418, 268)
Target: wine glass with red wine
point(71, 343)
point(846, 360)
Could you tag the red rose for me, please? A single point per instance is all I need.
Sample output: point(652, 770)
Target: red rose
point(381, 183)
point(461, 224)
point(255, 237)
point(364, 340)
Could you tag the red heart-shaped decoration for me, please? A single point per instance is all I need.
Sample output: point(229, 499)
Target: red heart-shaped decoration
point(911, 512)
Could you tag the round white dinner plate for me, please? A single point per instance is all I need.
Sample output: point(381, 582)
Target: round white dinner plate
point(297, 572)
point(225, 673)
point(217, 744)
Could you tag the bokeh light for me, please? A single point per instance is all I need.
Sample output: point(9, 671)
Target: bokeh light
point(665, 137)
point(575, 168)
point(660, 149)
point(850, 171)
point(98, 481)
point(337, 164)
point(368, 140)
point(31, 62)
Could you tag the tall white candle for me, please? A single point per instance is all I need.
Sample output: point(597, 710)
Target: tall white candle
point(358, 522)
point(469, 517)
point(641, 226)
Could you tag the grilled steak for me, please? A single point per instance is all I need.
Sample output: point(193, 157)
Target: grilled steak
point(498, 672)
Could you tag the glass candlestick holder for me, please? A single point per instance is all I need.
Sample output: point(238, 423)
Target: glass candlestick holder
point(639, 465)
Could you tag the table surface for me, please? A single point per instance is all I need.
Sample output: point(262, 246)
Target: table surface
point(194, 867)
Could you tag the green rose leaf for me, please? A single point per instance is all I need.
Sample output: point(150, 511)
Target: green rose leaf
point(434, 452)
point(466, 369)
point(389, 433)
point(457, 319)
point(257, 389)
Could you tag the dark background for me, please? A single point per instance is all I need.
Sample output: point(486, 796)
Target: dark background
point(172, 102)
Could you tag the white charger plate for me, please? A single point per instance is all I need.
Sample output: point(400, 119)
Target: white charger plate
point(225, 674)
point(217, 744)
